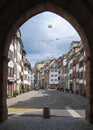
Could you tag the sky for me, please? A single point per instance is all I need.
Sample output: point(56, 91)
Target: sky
point(47, 35)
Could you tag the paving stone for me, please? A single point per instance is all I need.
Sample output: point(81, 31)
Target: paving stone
point(39, 123)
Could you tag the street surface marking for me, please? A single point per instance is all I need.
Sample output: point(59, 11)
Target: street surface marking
point(72, 112)
point(16, 115)
point(20, 110)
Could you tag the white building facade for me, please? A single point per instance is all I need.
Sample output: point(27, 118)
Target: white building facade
point(14, 64)
point(53, 75)
point(16, 71)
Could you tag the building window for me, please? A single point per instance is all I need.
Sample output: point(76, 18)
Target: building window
point(56, 70)
point(10, 55)
point(15, 54)
point(15, 70)
point(58, 78)
point(70, 76)
point(77, 74)
point(10, 71)
point(25, 77)
point(81, 75)
point(51, 70)
point(70, 65)
point(81, 64)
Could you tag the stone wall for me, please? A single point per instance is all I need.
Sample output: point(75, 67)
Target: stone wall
point(14, 13)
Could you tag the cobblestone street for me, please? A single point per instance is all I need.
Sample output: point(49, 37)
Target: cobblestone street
point(38, 123)
point(32, 118)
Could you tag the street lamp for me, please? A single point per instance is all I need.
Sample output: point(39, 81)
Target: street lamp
point(50, 26)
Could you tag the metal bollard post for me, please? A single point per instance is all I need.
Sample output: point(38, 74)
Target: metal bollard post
point(46, 112)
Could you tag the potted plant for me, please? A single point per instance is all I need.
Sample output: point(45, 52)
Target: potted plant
point(15, 93)
point(23, 88)
point(9, 94)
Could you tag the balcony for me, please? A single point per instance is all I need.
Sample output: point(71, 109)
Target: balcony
point(11, 77)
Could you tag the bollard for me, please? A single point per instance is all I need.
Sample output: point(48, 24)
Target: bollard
point(46, 112)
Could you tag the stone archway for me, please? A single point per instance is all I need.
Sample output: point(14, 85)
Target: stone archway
point(15, 14)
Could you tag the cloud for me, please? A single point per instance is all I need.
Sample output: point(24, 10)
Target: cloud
point(41, 42)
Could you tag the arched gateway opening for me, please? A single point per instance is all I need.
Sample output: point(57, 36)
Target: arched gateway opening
point(17, 12)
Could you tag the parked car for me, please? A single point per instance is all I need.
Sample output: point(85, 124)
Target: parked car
point(36, 88)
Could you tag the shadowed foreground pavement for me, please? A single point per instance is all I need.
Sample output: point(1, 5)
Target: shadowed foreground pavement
point(61, 119)
point(39, 123)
